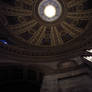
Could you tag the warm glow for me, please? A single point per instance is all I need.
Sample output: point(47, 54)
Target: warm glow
point(50, 11)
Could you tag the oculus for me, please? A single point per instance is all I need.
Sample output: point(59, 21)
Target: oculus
point(50, 10)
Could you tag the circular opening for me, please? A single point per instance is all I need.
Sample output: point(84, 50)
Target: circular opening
point(50, 11)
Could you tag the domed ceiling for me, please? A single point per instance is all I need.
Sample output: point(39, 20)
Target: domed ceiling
point(26, 21)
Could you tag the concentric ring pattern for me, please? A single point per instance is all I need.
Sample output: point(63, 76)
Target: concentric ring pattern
point(21, 19)
point(56, 5)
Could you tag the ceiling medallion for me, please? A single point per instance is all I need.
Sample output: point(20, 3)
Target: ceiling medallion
point(50, 10)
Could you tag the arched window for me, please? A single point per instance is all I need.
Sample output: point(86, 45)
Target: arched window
point(89, 58)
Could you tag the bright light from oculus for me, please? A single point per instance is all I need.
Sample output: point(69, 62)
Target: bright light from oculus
point(50, 11)
point(89, 58)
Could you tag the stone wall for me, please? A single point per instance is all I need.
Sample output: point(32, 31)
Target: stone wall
point(74, 81)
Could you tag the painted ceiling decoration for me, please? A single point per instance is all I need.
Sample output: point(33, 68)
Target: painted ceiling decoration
point(25, 20)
